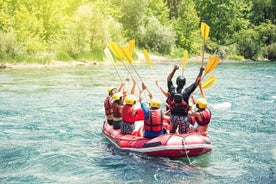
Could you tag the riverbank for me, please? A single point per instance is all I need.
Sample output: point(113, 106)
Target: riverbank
point(140, 58)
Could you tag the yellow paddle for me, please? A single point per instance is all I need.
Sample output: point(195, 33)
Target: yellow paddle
point(120, 54)
point(131, 46)
point(210, 81)
point(184, 61)
point(111, 60)
point(205, 33)
point(115, 50)
point(211, 65)
point(126, 55)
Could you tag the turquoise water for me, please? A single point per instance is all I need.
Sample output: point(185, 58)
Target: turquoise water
point(51, 118)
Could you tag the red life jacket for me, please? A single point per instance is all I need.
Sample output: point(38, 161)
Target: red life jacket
point(108, 106)
point(154, 123)
point(205, 117)
point(177, 103)
point(127, 114)
point(117, 110)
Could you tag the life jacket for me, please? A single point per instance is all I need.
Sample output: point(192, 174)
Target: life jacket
point(192, 120)
point(178, 105)
point(108, 106)
point(154, 122)
point(117, 110)
point(127, 114)
point(205, 117)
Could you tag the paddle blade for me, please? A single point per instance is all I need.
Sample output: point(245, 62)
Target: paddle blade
point(126, 54)
point(204, 30)
point(211, 65)
point(185, 57)
point(115, 49)
point(108, 55)
point(131, 47)
point(210, 81)
point(145, 52)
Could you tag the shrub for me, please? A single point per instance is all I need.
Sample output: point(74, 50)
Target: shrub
point(271, 52)
point(156, 37)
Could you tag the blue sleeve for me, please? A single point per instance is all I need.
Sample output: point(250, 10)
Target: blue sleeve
point(145, 110)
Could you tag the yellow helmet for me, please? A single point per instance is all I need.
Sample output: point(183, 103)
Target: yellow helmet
point(155, 103)
point(117, 96)
point(109, 89)
point(130, 100)
point(202, 103)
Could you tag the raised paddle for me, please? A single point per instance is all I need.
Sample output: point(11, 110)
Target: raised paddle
point(115, 49)
point(128, 58)
point(211, 65)
point(120, 55)
point(131, 46)
point(210, 81)
point(146, 55)
point(145, 52)
point(184, 61)
point(205, 33)
point(111, 60)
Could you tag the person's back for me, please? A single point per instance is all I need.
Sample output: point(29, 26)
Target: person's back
point(128, 116)
point(202, 116)
point(153, 119)
point(179, 100)
point(108, 105)
point(117, 110)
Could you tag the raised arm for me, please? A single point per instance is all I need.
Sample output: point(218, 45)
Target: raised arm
point(170, 76)
point(198, 79)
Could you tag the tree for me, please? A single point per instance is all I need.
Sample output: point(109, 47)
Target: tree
point(262, 11)
point(187, 27)
point(132, 14)
point(224, 17)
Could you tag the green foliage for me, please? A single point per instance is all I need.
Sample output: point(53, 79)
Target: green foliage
point(34, 29)
point(156, 37)
point(271, 52)
point(248, 45)
point(187, 27)
point(62, 56)
point(159, 10)
point(224, 17)
point(132, 14)
point(263, 10)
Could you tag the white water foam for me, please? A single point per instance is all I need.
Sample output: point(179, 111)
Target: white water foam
point(223, 105)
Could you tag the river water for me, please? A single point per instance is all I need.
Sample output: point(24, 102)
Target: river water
point(51, 119)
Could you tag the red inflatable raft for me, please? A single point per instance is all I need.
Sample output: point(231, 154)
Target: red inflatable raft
point(166, 145)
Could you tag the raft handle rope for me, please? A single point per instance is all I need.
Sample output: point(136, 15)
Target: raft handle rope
point(186, 152)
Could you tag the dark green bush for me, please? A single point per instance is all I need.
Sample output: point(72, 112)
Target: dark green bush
point(271, 52)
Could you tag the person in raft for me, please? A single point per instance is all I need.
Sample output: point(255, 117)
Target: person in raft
point(108, 100)
point(179, 100)
point(153, 116)
point(117, 107)
point(108, 105)
point(129, 114)
point(201, 115)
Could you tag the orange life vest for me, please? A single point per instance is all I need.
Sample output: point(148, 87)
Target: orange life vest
point(108, 106)
point(154, 123)
point(127, 114)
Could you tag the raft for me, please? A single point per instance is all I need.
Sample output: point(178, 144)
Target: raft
point(166, 145)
